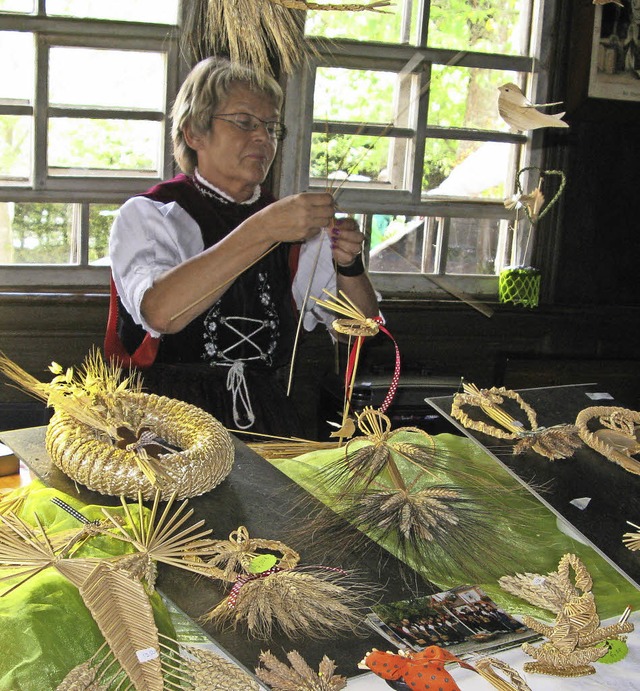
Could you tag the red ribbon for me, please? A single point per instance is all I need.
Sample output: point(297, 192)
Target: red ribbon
point(242, 580)
point(388, 399)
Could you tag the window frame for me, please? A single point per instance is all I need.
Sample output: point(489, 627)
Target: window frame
point(84, 190)
point(376, 199)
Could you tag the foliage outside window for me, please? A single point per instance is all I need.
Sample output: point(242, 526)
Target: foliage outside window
point(403, 127)
point(83, 126)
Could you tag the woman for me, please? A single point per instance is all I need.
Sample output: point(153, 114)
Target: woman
point(203, 264)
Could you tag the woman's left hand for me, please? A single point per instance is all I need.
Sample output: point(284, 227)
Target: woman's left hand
point(346, 240)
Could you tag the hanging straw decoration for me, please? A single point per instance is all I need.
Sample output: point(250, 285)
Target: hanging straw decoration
point(355, 325)
point(109, 436)
point(271, 591)
point(574, 637)
point(252, 31)
point(559, 441)
point(298, 675)
point(394, 487)
point(613, 432)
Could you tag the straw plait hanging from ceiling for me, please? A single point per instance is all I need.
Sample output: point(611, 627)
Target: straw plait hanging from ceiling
point(260, 33)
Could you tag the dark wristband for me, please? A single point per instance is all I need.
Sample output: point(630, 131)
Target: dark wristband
point(356, 268)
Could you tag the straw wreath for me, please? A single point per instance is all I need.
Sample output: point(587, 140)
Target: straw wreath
point(559, 441)
point(614, 432)
point(109, 436)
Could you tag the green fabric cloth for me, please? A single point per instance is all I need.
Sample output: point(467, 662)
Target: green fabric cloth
point(527, 540)
point(45, 628)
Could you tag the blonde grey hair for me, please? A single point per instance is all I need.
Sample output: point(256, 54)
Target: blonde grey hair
point(206, 86)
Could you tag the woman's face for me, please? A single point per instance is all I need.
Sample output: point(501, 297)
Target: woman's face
point(232, 159)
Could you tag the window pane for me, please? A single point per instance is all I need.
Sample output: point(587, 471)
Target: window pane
point(472, 245)
point(104, 145)
point(22, 6)
point(108, 78)
point(15, 147)
point(100, 221)
point(492, 26)
point(455, 168)
point(158, 11)
point(396, 243)
point(389, 27)
point(354, 95)
point(356, 158)
point(18, 65)
point(467, 97)
point(36, 233)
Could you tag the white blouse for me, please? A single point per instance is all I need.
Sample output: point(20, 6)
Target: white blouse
point(149, 237)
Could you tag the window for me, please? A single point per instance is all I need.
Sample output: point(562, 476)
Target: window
point(85, 89)
point(401, 123)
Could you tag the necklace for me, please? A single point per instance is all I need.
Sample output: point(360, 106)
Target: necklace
point(208, 190)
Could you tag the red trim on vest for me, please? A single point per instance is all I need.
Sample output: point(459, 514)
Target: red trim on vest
point(144, 355)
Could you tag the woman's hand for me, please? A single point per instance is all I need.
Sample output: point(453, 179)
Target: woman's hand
point(346, 241)
point(298, 217)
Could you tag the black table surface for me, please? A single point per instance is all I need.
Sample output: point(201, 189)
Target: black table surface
point(614, 493)
point(260, 497)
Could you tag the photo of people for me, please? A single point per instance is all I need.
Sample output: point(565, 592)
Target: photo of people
point(463, 619)
point(615, 53)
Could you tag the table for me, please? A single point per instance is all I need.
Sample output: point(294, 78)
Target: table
point(258, 496)
point(613, 492)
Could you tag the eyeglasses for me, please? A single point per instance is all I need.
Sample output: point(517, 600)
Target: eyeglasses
point(250, 123)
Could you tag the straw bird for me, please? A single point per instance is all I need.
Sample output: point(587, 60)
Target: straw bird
point(521, 114)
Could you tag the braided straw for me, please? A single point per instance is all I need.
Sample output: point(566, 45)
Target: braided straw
point(617, 438)
point(554, 442)
point(94, 461)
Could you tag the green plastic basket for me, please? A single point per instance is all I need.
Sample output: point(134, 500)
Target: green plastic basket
point(519, 286)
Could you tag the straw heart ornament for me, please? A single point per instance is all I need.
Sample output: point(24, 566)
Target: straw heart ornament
point(532, 202)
